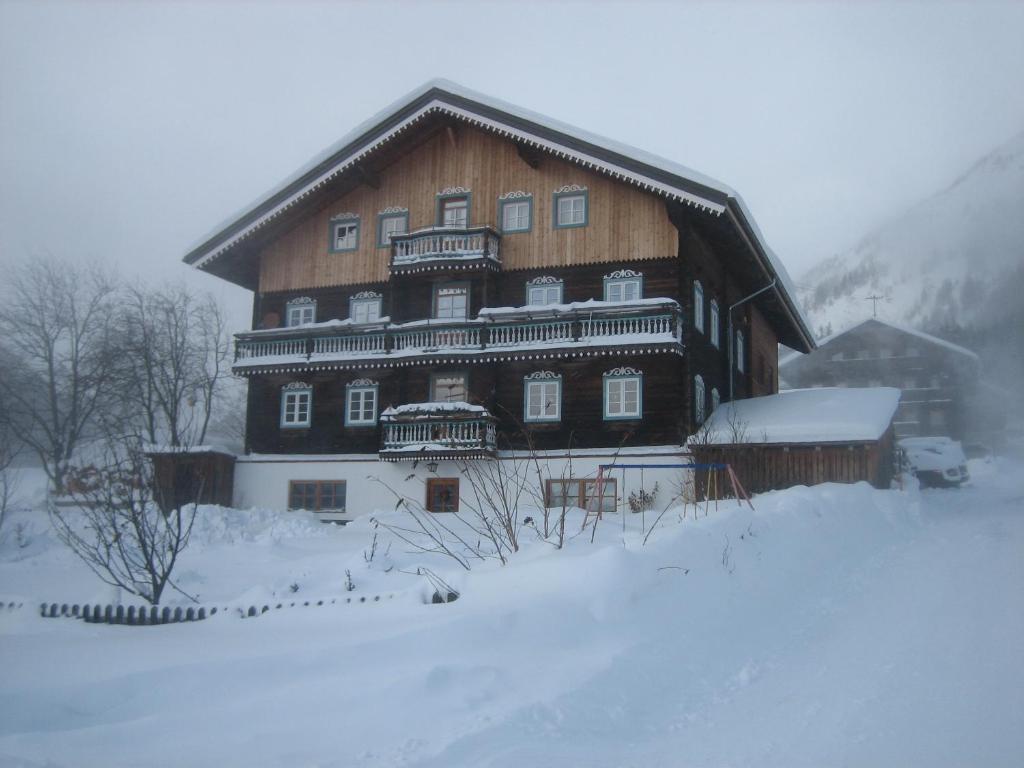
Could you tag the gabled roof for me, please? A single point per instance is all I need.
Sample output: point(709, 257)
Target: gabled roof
point(902, 328)
point(628, 164)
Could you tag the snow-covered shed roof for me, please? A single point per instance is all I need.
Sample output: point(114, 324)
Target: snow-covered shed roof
point(902, 327)
point(820, 415)
point(621, 161)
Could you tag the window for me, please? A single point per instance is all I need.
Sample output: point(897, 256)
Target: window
point(361, 403)
point(583, 494)
point(296, 404)
point(344, 234)
point(623, 285)
point(364, 308)
point(571, 207)
point(715, 331)
point(515, 215)
point(451, 301)
point(317, 495)
point(698, 306)
point(544, 291)
point(454, 211)
point(543, 397)
point(741, 352)
point(716, 399)
point(391, 223)
point(300, 312)
point(443, 494)
point(699, 400)
point(448, 388)
point(622, 394)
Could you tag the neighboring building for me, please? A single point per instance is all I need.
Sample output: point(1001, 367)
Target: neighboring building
point(936, 378)
point(803, 437)
point(457, 270)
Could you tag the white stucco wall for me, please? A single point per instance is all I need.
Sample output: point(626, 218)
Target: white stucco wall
point(371, 484)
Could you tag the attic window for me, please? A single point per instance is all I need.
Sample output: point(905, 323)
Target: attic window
point(571, 207)
point(344, 233)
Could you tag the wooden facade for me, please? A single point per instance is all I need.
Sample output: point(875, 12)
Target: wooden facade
point(770, 467)
point(643, 221)
point(625, 224)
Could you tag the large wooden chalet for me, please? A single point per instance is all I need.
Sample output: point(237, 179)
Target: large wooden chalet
point(458, 270)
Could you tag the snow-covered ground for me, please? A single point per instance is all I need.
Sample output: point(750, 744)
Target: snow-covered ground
point(835, 625)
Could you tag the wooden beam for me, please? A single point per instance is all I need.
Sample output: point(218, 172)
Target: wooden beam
point(368, 177)
point(529, 155)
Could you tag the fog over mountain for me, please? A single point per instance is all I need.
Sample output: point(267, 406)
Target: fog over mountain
point(952, 265)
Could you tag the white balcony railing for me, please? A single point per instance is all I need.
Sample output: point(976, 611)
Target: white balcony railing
point(433, 429)
point(602, 327)
point(245, 350)
point(430, 338)
point(437, 243)
point(529, 333)
point(364, 344)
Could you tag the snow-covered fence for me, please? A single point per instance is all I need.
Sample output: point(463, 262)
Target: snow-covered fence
point(131, 615)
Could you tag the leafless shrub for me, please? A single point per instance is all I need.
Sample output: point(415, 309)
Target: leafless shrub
point(117, 528)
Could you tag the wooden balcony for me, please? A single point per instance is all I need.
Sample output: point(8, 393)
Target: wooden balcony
point(586, 328)
point(438, 248)
point(425, 431)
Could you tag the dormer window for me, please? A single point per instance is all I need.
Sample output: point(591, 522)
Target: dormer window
point(344, 233)
point(300, 312)
point(544, 291)
point(453, 208)
point(365, 307)
point(623, 285)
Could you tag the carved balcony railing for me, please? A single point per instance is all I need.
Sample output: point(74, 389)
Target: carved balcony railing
point(648, 324)
point(437, 431)
point(445, 247)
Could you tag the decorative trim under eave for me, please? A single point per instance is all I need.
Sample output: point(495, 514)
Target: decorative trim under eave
point(587, 161)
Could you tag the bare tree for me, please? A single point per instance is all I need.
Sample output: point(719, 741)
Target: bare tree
point(9, 450)
point(55, 369)
point(117, 527)
point(176, 349)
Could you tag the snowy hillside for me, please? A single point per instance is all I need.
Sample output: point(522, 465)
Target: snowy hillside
point(946, 261)
point(835, 625)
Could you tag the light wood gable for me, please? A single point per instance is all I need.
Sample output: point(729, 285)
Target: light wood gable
point(624, 223)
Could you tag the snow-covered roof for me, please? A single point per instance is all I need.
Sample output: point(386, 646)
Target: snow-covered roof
point(590, 305)
point(787, 358)
point(820, 415)
point(433, 409)
point(621, 161)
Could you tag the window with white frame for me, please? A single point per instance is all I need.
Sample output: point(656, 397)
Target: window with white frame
point(544, 291)
point(391, 224)
point(300, 312)
point(451, 301)
point(741, 352)
point(296, 405)
point(623, 394)
point(361, 403)
point(698, 306)
point(365, 307)
point(448, 388)
point(571, 207)
point(716, 399)
point(623, 285)
point(699, 400)
point(344, 234)
point(715, 329)
point(543, 397)
point(455, 212)
point(516, 214)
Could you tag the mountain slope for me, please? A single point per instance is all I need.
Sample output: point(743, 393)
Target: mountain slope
point(946, 262)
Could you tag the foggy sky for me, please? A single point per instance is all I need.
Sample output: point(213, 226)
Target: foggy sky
point(127, 131)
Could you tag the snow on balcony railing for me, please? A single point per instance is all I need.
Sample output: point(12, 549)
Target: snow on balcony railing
point(245, 350)
point(370, 344)
point(625, 326)
point(444, 243)
point(442, 337)
point(426, 428)
point(529, 333)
